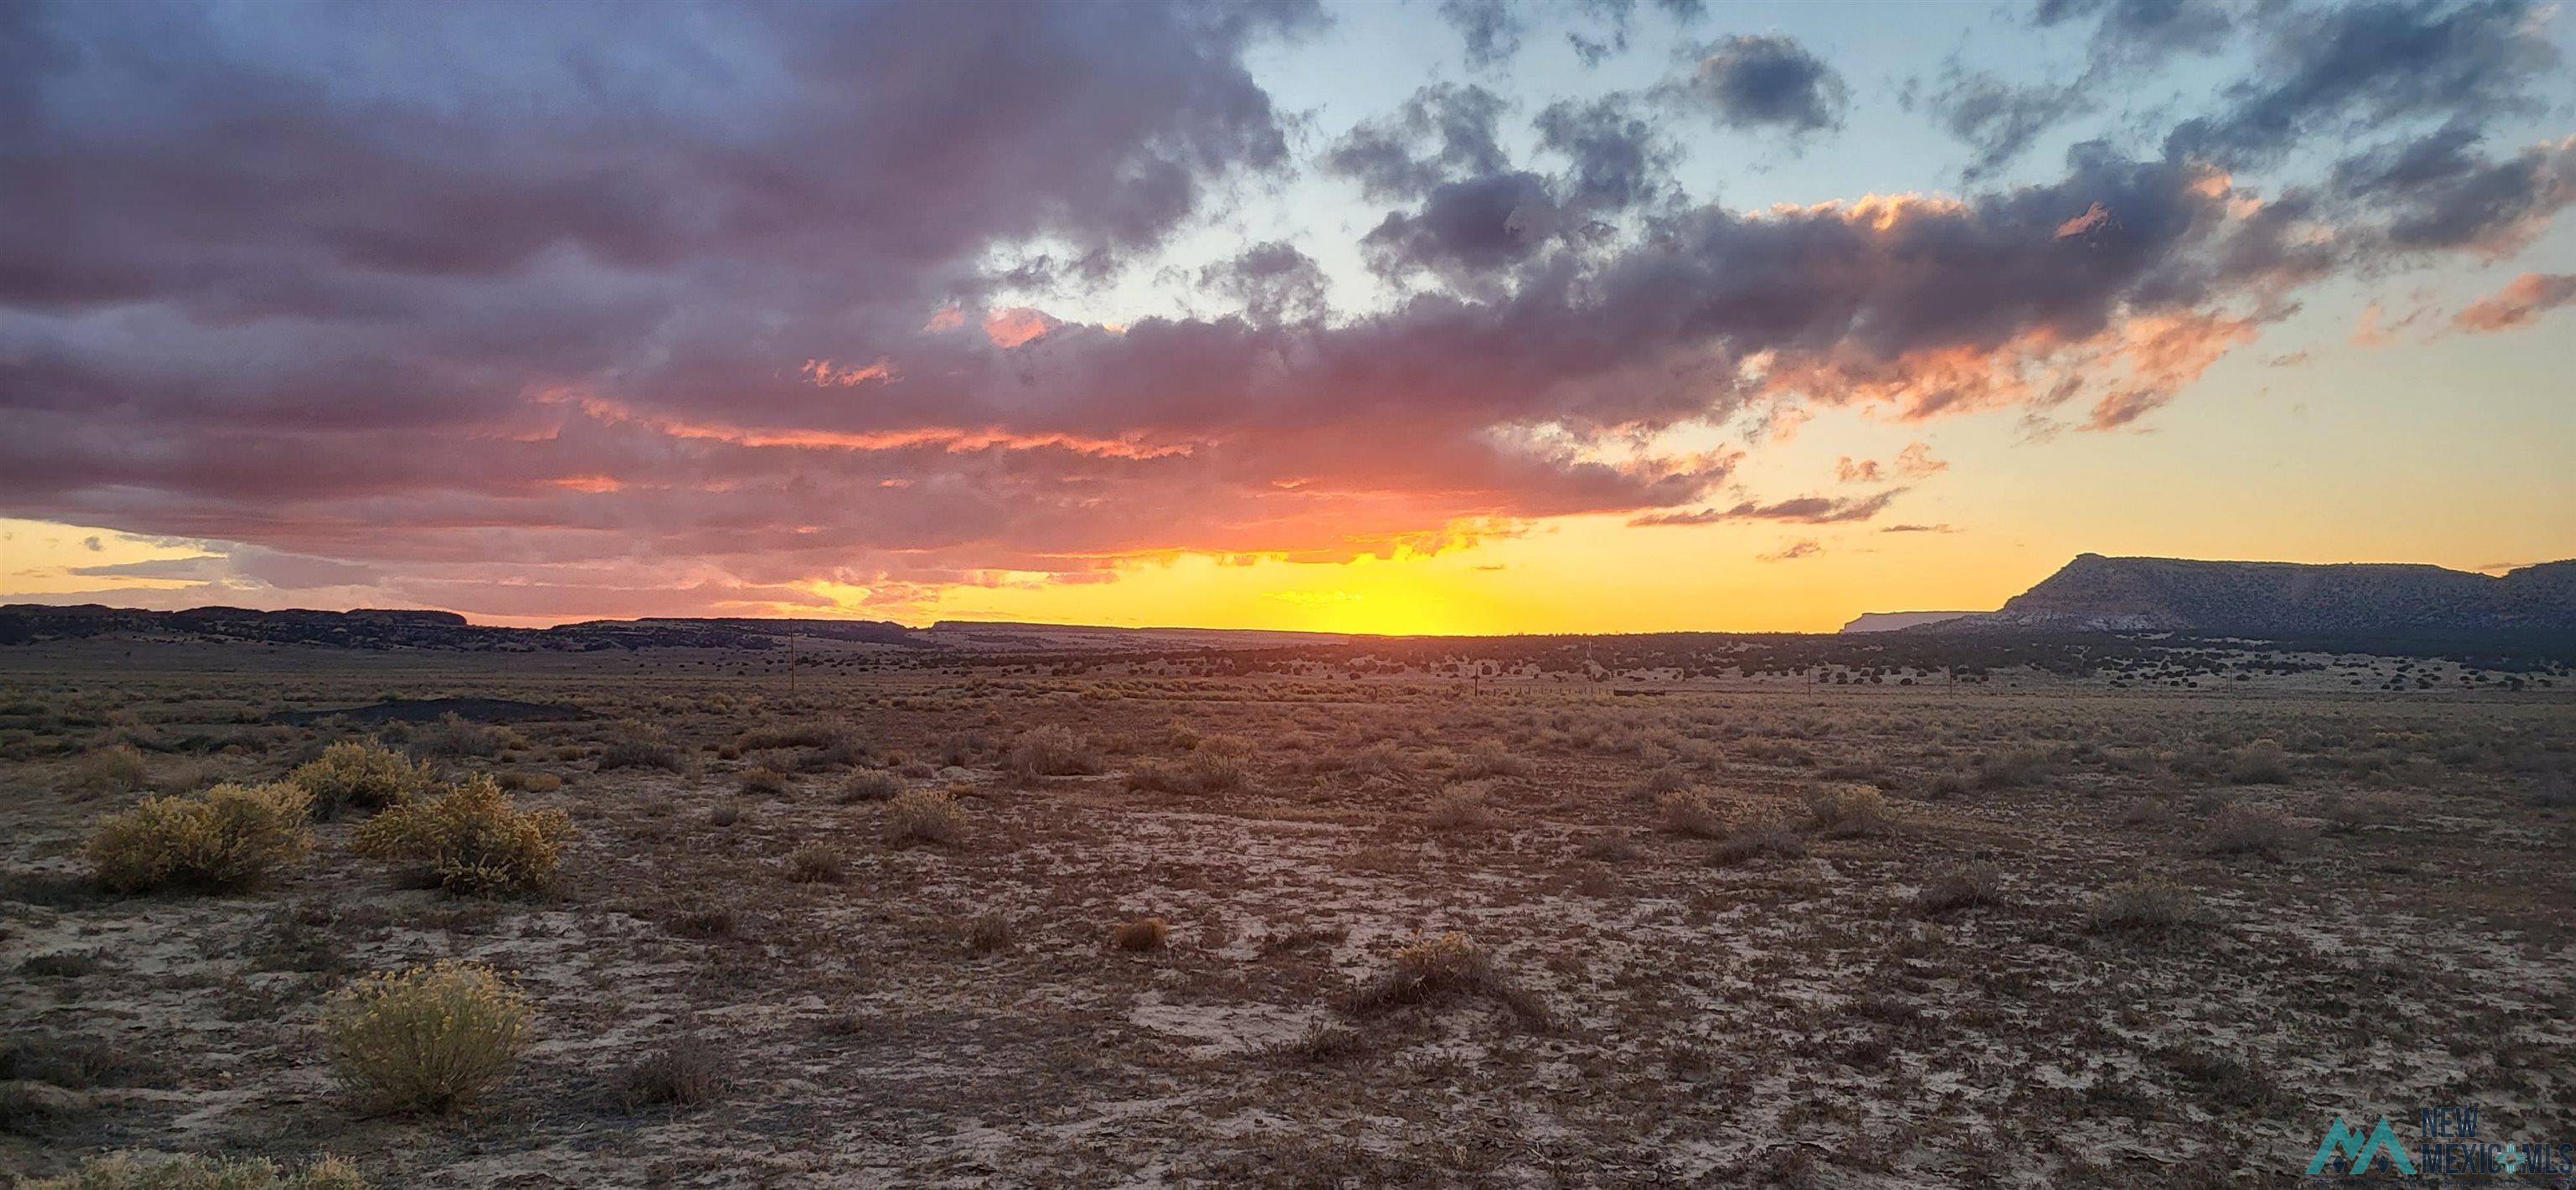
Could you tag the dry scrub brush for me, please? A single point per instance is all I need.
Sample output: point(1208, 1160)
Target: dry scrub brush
point(129, 1171)
point(1144, 933)
point(109, 770)
point(226, 839)
point(1052, 751)
point(924, 816)
point(470, 840)
point(2148, 906)
point(1967, 886)
point(362, 775)
point(429, 1039)
point(1845, 811)
point(1443, 968)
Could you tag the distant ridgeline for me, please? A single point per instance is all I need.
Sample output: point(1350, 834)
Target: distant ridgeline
point(2088, 613)
point(2272, 600)
point(370, 628)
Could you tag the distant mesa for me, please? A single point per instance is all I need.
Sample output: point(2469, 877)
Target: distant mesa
point(1892, 621)
point(2093, 593)
point(2273, 599)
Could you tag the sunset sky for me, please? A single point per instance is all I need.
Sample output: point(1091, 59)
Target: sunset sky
point(1452, 316)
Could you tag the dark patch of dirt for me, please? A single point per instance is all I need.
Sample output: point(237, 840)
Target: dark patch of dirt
point(431, 710)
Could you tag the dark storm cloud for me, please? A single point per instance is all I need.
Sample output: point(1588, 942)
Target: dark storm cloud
point(1491, 29)
point(1807, 510)
point(1756, 82)
point(2441, 191)
point(595, 306)
point(1999, 119)
point(1273, 281)
point(2364, 66)
point(1443, 132)
point(1618, 157)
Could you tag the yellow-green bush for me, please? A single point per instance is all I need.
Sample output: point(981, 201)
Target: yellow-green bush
point(126, 1171)
point(470, 840)
point(430, 1038)
point(223, 840)
point(923, 816)
point(109, 770)
point(361, 774)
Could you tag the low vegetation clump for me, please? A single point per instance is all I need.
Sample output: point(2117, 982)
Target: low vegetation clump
point(2239, 829)
point(2014, 767)
point(871, 785)
point(360, 775)
point(1489, 758)
point(1760, 838)
point(1460, 808)
point(1692, 812)
point(924, 816)
point(686, 1073)
point(428, 1039)
point(109, 770)
point(639, 748)
point(1845, 811)
point(1144, 933)
point(815, 863)
point(1444, 967)
point(2262, 762)
point(454, 735)
point(1964, 887)
point(989, 933)
point(1324, 1042)
point(227, 839)
point(1212, 767)
point(471, 840)
point(2146, 906)
point(1051, 751)
point(2352, 812)
point(130, 1171)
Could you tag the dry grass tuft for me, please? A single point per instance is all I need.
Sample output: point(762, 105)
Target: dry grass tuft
point(815, 863)
point(1849, 811)
point(1441, 968)
point(686, 1073)
point(109, 770)
point(470, 840)
point(2262, 762)
point(2147, 906)
point(428, 1039)
point(1692, 812)
point(871, 785)
point(361, 775)
point(1964, 887)
point(1144, 933)
point(989, 933)
point(1459, 808)
point(924, 816)
point(131, 1171)
point(1325, 1043)
point(228, 839)
point(1051, 751)
point(1760, 838)
point(2239, 829)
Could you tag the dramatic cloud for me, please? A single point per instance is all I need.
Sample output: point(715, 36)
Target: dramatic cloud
point(1808, 510)
point(566, 312)
point(1765, 82)
point(2340, 68)
point(2524, 298)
